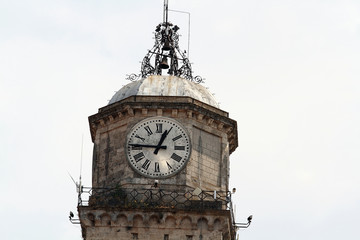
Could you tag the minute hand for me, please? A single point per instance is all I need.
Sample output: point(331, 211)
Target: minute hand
point(163, 136)
point(146, 145)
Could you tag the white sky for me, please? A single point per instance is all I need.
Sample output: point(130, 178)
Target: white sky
point(287, 71)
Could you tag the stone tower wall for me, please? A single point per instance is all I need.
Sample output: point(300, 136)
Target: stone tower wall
point(210, 130)
point(158, 225)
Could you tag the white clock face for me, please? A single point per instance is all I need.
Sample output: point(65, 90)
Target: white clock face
point(158, 147)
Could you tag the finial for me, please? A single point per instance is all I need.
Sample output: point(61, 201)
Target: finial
point(166, 11)
point(166, 54)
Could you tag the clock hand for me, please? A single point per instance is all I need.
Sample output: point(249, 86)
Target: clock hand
point(163, 136)
point(146, 145)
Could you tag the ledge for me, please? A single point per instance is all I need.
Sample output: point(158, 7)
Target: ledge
point(196, 110)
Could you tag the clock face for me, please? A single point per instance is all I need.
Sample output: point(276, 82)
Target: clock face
point(158, 147)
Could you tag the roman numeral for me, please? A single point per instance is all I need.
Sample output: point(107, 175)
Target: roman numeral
point(137, 136)
point(169, 166)
point(139, 156)
point(176, 138)
point(179, 147)
point(147, 128)
point(157, 167)
point(176, 157)
point(146, 164)
point(159, 127)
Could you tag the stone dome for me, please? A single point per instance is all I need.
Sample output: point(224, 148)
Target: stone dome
point(158, 85)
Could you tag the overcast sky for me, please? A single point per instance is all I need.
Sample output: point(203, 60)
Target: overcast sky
point(287, 71)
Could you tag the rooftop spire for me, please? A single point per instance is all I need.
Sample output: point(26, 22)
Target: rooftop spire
point(166, 10)
point(166, 54)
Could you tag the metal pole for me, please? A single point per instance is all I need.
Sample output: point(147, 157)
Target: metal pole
point(166, 6)
point(188, 53)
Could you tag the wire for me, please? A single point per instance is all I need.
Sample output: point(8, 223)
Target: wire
point(188, 53)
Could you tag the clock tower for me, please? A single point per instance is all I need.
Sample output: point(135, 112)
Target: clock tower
point(161, 155)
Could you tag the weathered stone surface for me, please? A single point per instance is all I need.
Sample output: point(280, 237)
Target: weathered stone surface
point(208, 164)
point(157, 85)
point(213, 138)
point(105, 224)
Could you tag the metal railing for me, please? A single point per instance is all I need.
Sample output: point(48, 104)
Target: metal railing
point(119, 197)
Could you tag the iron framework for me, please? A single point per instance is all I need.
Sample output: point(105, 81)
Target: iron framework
point(166, 47)
point(154, 198)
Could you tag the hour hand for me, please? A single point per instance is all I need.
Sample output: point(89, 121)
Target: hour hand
point(146, 145)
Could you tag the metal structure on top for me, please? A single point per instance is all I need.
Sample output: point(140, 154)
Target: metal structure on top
point(166, 54)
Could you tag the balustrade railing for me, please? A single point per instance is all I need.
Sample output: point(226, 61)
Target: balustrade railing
point(154, 198)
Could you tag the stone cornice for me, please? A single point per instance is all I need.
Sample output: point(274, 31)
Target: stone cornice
point(159, 105)
point(214, 220)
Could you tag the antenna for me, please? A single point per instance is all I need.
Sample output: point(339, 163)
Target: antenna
point(81, 157)
point(76, 184)
point(72, 179)
point(188, 13)
point(166, 48)
point(79, 187)
point(166, 7)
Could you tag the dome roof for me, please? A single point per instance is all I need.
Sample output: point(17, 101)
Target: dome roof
point(157, 85)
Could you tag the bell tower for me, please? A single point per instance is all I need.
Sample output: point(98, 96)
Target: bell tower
point(161, 155)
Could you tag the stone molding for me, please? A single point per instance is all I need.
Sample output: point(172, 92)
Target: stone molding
point(207, 222)
point(147, 106)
